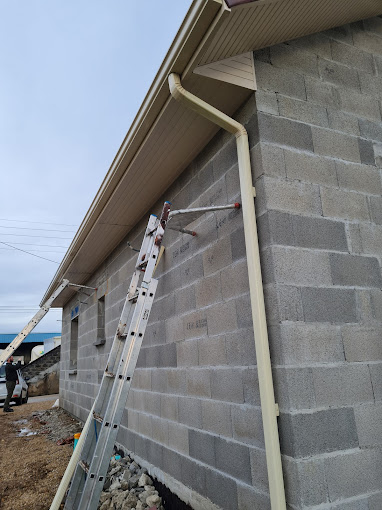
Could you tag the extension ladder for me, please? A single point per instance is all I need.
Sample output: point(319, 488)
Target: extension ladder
point(18, 340)
point(90, 472)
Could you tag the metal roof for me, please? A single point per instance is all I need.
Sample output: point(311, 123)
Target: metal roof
point(6, 338)
point(165, 137)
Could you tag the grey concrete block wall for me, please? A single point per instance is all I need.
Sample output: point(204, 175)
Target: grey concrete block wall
point(194, 409)
point(319, 196)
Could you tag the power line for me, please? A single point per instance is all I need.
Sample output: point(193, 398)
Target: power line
point(41, 237)
point(33, 255)
point(37, 251)
point(45, 245)
point(39, 222)
point(43, 229)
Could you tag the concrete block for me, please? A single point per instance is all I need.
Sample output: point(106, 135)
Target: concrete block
point(344, 204)
point(267, 159)
point(366, 152)
point(176, 381)
point(222, 318)
point(294, 197)
point(187, 353)
point(202, 446)
point(305, 482)
point(250, 499)
point(359, 104)
point(185, 300)
point(318, 44)
point(208, 291)
point(342, 385)
point(234, 280)
point(371, 85)
point(178, 437)
point(334, 429)
point(227, 385)
point(376, 379)
point(284, 81)
point(335, 144)
point(199, 382)
point(243, 312)
point(301, 267)
point(172, 463)
point(370, 130)
point(297, 343)
point(354, 473)
point(303, 111)
point(259, 469)
point(319, 233)
point(329, 305)
point(191, 270)
point(374, 502)
point(169, 407)
point(289, 57)
point(174, 331)
point(190, 412)
point(352, 57)
point(233, 458)
point(193, 475)
point(376, 302)
point(215, 195)
point(353, 270)
point(321, 93)
point(217, 257)
point(338, 74)
point(369, 425)
point(283, 303)
point(344, 122)
point(367, 41)
point(212, 351)
point(363, 178)
point(222, 490)
point(362, 343)
point(216, 417)
point(238, 244)
point(275, 227)
point(251, 387)
point(240, 348)
point(247, 425)
point(283, 132)
point(224, 159)
point(266, 102)
point(341, 34)
point(154, 453)
point(294, 388)
point(195, 324)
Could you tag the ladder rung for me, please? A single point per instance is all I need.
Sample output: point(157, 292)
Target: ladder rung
point(84, 465)
point(98, 418)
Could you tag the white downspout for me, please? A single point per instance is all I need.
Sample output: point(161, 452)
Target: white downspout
point(268, 406)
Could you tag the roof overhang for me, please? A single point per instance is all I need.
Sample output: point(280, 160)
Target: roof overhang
point(164, 137)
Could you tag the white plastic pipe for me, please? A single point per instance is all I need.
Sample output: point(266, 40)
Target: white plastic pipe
point(268, 406)
point(71, 466)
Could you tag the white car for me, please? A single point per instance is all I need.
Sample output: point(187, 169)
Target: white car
point(20, 394)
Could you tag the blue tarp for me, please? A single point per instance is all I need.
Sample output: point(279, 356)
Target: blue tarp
point(6, 338)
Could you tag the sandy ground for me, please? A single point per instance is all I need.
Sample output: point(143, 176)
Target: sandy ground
point(31, 466)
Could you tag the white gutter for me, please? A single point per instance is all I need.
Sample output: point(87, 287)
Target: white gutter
point(268, 406)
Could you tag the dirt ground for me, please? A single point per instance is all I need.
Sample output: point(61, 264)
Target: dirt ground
point(31, 466)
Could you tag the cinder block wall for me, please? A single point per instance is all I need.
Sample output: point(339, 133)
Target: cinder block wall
point(318, 176)
point(194, 411)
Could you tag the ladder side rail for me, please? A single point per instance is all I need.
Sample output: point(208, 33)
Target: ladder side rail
point(146, 247)
point(202, 210)
point(118, 398)
point(18, 340)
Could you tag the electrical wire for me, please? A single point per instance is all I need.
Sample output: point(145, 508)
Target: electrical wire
point(42, 237)
point(44, 229)
point(33, 255)
point(38, 251)
point(39, 222)
point(39, 245)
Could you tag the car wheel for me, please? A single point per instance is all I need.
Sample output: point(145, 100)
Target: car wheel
point(20, 400)
point(26, 397)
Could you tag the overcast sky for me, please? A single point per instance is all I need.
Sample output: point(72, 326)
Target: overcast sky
point(73, 74)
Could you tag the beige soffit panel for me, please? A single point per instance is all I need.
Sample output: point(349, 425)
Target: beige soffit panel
point(239, 70)
point(264, 23)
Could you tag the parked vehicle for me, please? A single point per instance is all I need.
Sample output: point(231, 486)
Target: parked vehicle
point(20, 394)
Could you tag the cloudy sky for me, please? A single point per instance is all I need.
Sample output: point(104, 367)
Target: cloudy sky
point(73, 74)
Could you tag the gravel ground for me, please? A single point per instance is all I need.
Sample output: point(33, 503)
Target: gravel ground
point(31, 462)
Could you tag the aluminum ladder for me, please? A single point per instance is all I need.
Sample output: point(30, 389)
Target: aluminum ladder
point(90, 472)
point(18, 340)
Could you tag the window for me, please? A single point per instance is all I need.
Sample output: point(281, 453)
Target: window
point(101, 335)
